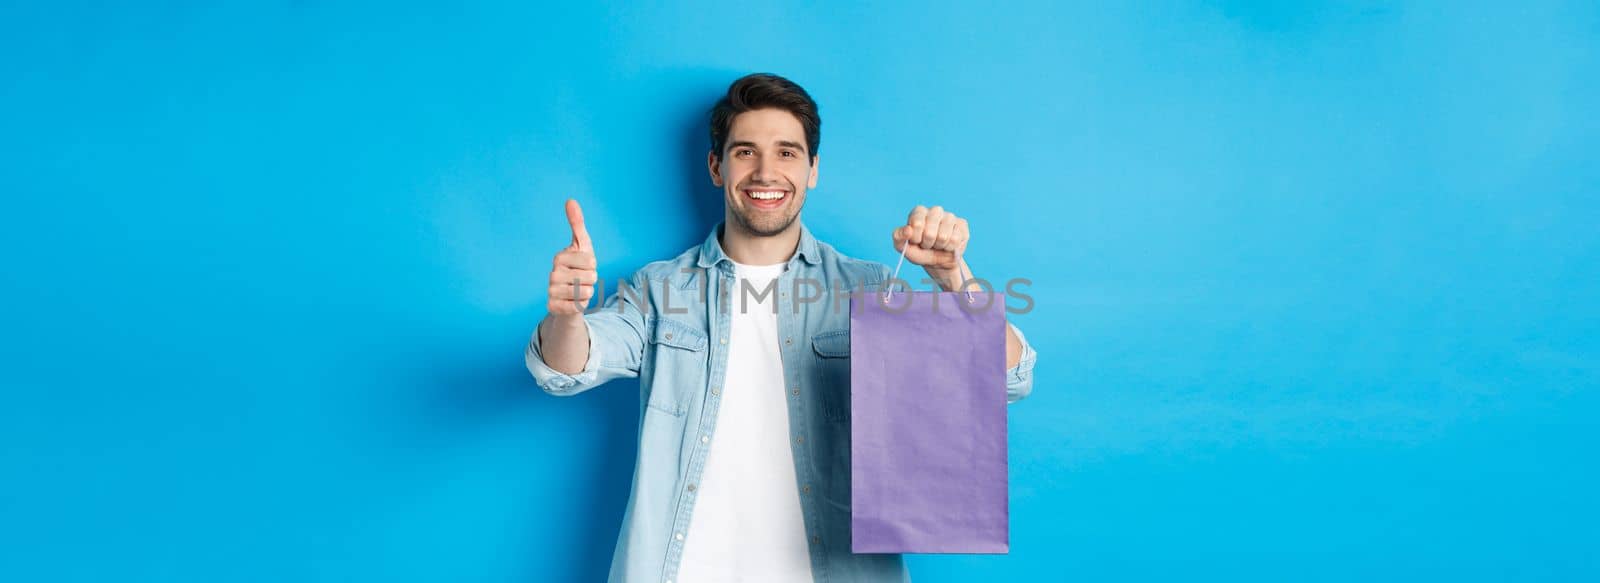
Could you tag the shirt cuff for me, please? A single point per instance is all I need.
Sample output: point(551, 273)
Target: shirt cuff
point(1022, 373)
point(557, 382)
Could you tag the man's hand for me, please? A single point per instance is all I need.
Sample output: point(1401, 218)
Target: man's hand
point(572, 274)
point(937, 239)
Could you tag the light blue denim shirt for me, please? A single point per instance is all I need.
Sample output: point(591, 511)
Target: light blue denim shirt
point(676, 342)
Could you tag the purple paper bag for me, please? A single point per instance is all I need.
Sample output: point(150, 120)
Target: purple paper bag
point(928, 424)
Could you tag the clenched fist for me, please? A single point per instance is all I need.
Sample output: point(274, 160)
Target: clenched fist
point(935, 239)
point(572, 274)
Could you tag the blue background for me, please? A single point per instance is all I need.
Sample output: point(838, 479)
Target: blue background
point(1316, 282)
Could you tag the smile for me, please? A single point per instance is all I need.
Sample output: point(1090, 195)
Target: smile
point(765, 194)
point(766, 198)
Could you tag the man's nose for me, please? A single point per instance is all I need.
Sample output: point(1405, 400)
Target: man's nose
point(759, 172)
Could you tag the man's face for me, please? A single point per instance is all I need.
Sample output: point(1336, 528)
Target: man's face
point(764, 171)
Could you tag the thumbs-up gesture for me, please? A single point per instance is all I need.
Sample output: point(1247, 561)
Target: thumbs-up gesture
point(572, 274)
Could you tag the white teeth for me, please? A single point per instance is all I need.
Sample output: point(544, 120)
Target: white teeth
point(765, 194)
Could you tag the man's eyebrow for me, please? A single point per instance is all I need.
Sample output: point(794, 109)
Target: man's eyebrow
point(781, 144)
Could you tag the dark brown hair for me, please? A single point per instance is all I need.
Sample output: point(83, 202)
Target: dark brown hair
point(762, 91)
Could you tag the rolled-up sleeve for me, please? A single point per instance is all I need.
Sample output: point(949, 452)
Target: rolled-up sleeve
point(617, 333)
point(1019, 379)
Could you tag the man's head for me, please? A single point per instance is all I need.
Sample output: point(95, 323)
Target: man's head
point(764, 137)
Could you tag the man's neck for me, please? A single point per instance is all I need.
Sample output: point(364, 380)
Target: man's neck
point(750, 249)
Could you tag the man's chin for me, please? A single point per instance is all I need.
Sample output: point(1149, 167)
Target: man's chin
point(766, 226)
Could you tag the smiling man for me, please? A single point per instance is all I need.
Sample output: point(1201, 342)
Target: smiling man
point(743, 471)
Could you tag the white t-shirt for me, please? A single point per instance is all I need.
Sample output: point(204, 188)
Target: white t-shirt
point(747, 524)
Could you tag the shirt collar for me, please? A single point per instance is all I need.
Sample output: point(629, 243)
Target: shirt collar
point(711, 251)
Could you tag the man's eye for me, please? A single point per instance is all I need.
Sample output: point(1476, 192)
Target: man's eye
point(788, 153)
point(742, 152)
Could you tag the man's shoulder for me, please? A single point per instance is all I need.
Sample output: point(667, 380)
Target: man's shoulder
point(852, 271)
point(672, 269)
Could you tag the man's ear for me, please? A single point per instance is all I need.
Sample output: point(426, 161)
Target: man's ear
point(813, 182)
point(713, 167)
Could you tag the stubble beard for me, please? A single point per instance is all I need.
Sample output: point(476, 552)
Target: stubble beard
point(765, 225)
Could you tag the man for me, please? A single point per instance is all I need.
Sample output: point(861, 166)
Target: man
point(743, 471)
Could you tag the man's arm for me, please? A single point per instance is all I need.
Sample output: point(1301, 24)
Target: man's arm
point(1019, 373)
point(1020, 357)
point(565, 339)
point(571, 352)
point(598, 347)
point(936, 239)
point(1014, 343)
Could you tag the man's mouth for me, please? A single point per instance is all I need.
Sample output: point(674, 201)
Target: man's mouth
point(766, 198)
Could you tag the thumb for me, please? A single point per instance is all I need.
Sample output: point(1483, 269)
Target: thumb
point(901, 236)
point(580, 234)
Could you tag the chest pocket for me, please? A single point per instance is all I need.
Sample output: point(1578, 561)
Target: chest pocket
point(679, 335)
point(678, 358)
point(833, 364)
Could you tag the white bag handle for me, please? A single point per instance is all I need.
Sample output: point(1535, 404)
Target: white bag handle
point(888, 291)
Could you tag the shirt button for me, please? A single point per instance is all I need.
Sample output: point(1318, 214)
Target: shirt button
point(787, 341)
point(716, 391)
point(800, 439)
point(678, 536)
point(816, 539)
point(804, 489)
point(705, 439)
point(795, 392)
point(723, 341)
point(669, 336)
point(691, 487)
